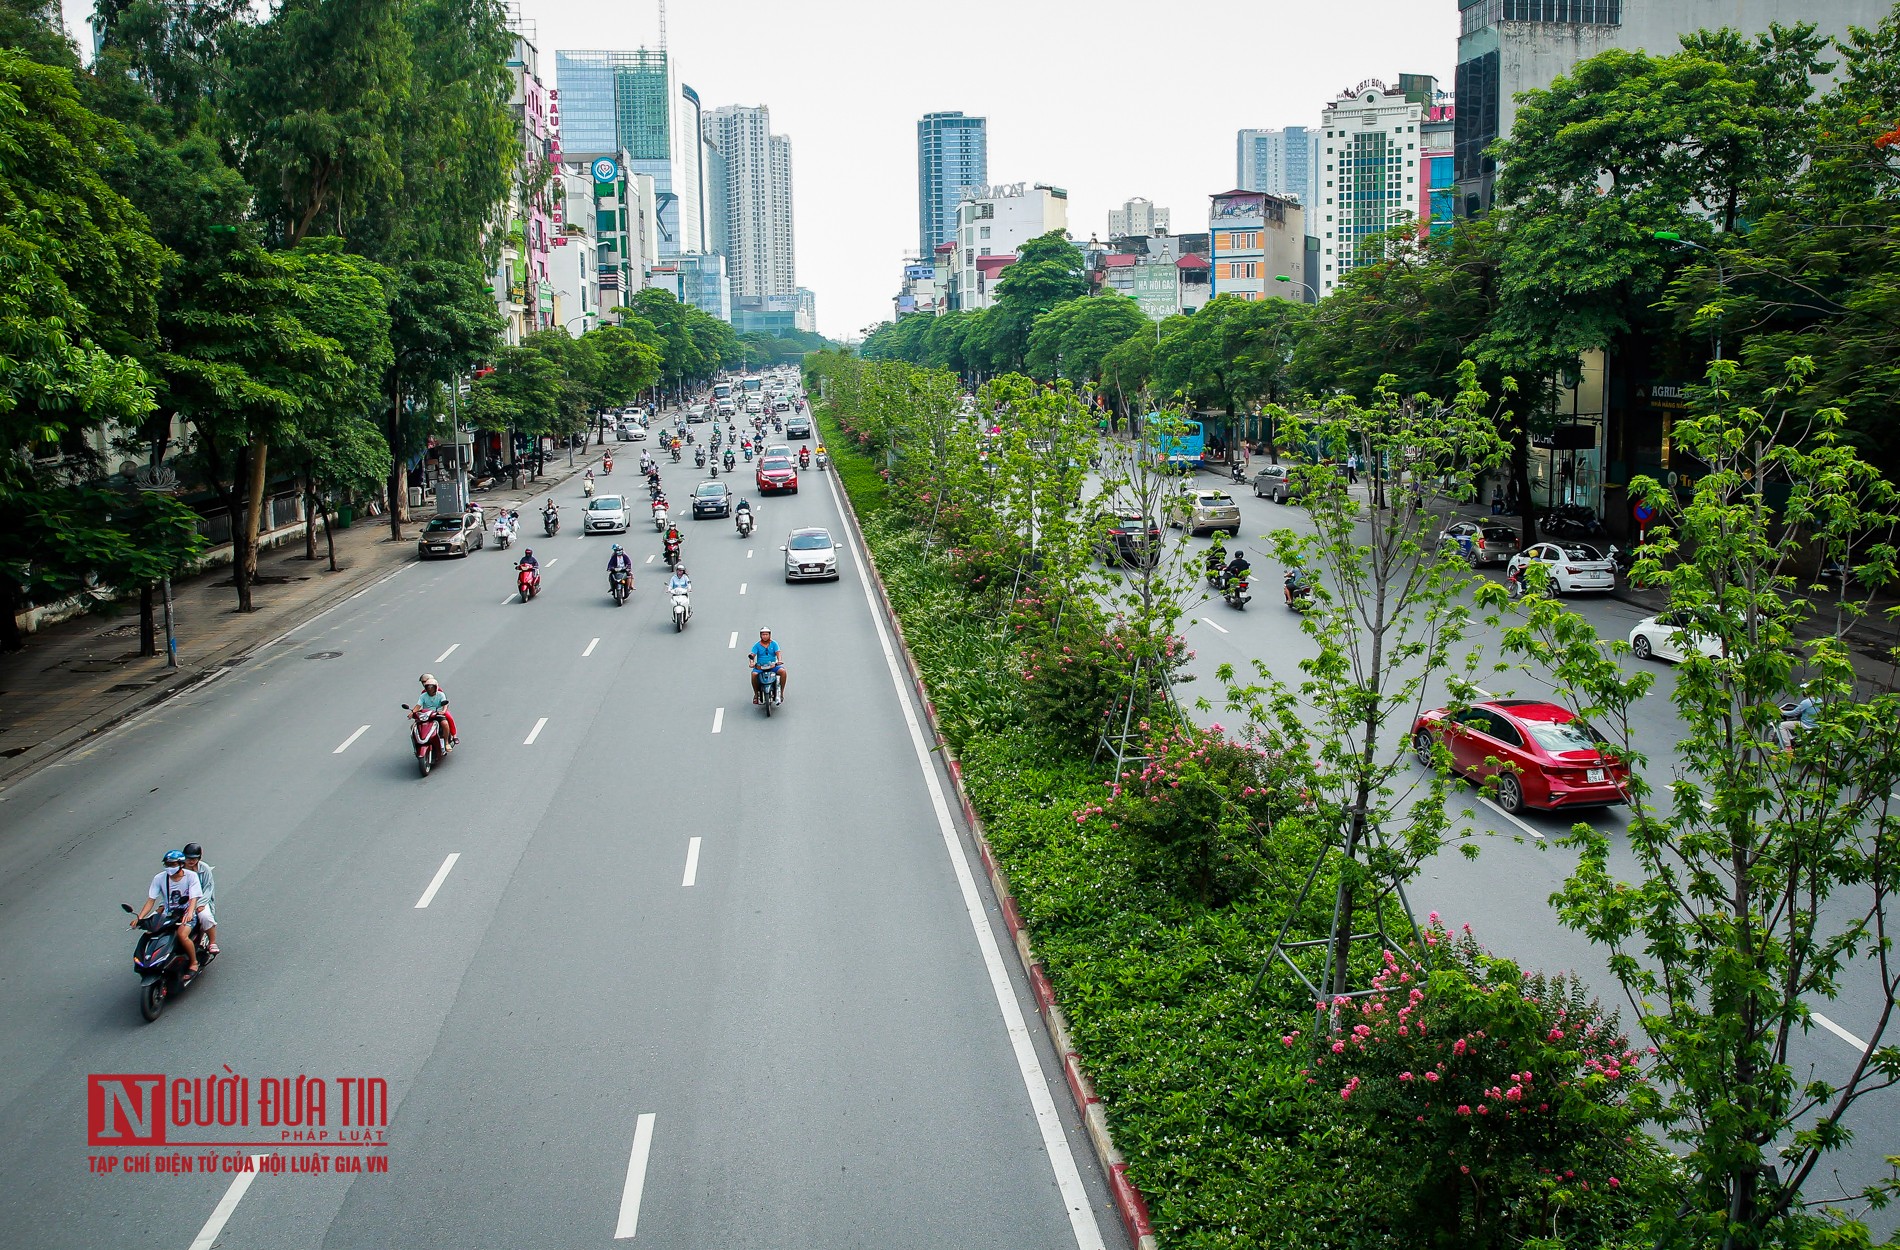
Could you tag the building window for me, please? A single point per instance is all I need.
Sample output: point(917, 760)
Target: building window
point(983, 233)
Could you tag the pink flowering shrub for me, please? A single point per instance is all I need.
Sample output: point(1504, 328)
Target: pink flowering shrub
point(1076, 666)
point(1509, 1102)
point(1206, 803)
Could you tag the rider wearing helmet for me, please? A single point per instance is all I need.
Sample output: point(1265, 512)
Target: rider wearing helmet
point(194, 861)
point(619, 562)
point(179, 889)
point(527, 558)
point(764, 657)
point(679, 581)
point(436, 699)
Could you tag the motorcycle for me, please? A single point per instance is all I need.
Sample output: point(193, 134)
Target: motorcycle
point(659, 516)
point(675, 449)
point(551, 521)
point(620, 585)
point(160, 961)
point(824, 458)
point(1237, 472)
point(730, 458)
point(1235, 592)
point(428, 737)
point(653, 488)
point(713, 468)
point(527, 581)
point(606, 465)
point(682, 610)
point(748, 455)
point(771, 695)
point(587, 489)
point(503, 532)
point(1299, 596)
point(804, 458)
point(699, 457)
point(671, 554)
point(744, 522)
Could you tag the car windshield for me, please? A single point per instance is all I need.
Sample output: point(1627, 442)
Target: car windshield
point(1582, 553)
point(711, 488)
point(1570, 735)
point(778, 462)
point(445, 525)
point(1496, 535)
point(606, 503)
point(810, 542)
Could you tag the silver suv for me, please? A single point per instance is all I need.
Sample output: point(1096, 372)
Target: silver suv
point(1202, 511)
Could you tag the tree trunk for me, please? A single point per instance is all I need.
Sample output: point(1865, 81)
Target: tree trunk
point(310, 510)
point(1521, 479)
point(244, 553)
point(395, 468)
point(329, 536)
point(148, 630)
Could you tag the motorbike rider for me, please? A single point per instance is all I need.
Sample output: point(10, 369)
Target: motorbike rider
point(821, 451)
point(804, 455)
point(178, 887)
point(742, 514)
point(1237, 567)
point(646, 461)
point(194, 862)
point(764, 657)
point(619, 562)
point(550, 510)
point(1298, 582)
point(699, 457)
point(436, 699)
point(1804, 715)
point(672, 541)
point(729, 459)
point(1216, 557)
point(679, 581)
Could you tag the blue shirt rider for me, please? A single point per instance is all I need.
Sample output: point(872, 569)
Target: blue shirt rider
point(764, 656)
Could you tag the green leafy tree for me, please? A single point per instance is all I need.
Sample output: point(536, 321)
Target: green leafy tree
point(1046, 272)
point(1071, 339)
point(1766, 867)
point(443, 324)
point(627, 364)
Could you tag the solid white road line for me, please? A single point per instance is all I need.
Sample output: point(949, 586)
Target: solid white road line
point(719, 718)
point(590, 648)
point(1838, 1031)
point(1088, 1236)
point(509, 599)
point(1223, 629)
point(742, 588)
point(226, 1205)
point(352, 738)
point(534, 733)
point(732, 641)
point(1490, 803)
point(692, 864)
point(441, 875)
point(446, 654)
point(636, 1179)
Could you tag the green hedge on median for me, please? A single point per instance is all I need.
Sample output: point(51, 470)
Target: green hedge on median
point(1233, 1124)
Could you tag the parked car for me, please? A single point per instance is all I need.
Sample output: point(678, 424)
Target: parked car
point(1203, 511)
point(1485, 542)
point(1540, 754)
point(810, 555)
point(798, 427)
point(1275, 482)
point(451, 536)
point(1572, 566)
point(606, 514)
point(711, 499)
point(1674, 636)
point(777, 471)
point(1125, 536)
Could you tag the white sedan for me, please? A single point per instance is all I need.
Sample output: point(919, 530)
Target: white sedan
point(810, 555)
point(1672, 636)
point(1572, 566)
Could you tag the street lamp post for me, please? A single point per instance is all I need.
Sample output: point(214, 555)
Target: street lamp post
point(1280, 277)
point(1721, 273)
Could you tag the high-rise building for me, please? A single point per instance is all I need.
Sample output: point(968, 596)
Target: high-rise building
point(755, 168)
point(1510, 46)
point(523, 285)
point(953, 154)
point(807, 310)
point(1371, 175)
point(1137, 216)
point(634, 102)
point(1280, 162)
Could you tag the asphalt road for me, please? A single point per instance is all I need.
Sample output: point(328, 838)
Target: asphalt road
point(1503, 894)
point(636, 962)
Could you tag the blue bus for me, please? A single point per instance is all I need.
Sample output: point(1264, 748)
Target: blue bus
point(1182, 448)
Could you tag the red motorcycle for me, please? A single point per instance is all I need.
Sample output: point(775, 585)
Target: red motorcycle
point(429, 736)
point(606, 465)
point(528, 581)
point(804, 457)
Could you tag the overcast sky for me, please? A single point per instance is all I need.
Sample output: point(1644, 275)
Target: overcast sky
point(1109, 99)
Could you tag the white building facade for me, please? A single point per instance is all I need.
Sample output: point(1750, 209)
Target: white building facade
point(992, 224)
point(756, 169)
point(1371, 175)
point(1137, 216)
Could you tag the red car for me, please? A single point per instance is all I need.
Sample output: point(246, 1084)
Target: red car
point(1541, 755)
point(778, 471)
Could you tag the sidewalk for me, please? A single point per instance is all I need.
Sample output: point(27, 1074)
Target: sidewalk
point(82, 676)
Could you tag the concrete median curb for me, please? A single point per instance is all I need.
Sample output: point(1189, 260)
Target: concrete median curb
point(1129, 1203)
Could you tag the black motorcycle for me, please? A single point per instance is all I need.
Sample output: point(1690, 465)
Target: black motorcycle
point(160, 960)
point(1234, 590)
point(550, 521)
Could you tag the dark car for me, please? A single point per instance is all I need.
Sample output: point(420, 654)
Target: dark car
point(777, 471)
point(451, 535)
point(1541, 755)
point(798, 427)
point(1483, 542)
point(1125, 536)
point(711, 499)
